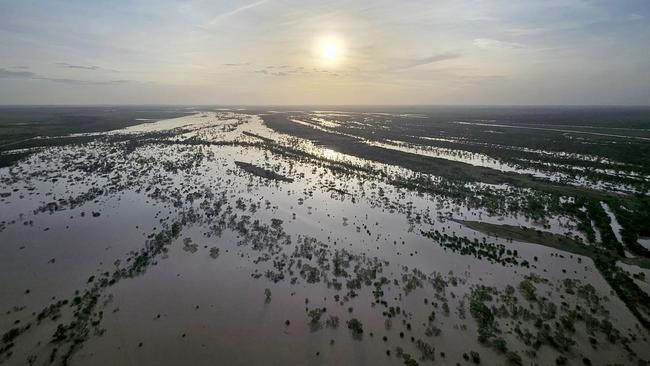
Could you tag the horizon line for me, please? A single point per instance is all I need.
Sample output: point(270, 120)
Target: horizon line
point(313, 105)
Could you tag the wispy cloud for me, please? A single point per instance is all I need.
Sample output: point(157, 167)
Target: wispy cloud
point(272, 73)
point(415, 62)
point(237, 64)
point(84, 82)
point(635, 17)
point(218, 18)
point(10, 74)
point(288, 70)
point(493, 44)
point(4, 73)
point(82, 67)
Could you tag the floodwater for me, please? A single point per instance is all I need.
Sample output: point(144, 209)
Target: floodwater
point(537, 165)
point(255, 255)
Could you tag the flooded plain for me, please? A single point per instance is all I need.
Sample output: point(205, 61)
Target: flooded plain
point(324, 237)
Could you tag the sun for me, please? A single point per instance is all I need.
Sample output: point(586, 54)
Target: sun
point(330, 51)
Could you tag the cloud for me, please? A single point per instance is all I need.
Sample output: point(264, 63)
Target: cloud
point(84, 82)
point(4, 73)
point(495, 44)
point(215, 20)
point(237, 64)
point(410, 63)
point(289, 70)
point(267, 72)
point(9, 74)
point(83, 67)
point(634, 17)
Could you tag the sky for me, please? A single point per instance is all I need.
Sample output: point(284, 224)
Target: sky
point(281, 52)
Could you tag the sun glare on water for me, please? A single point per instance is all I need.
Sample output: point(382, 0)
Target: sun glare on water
point(331, 154)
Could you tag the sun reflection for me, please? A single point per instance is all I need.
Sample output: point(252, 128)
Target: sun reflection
point(331, 154)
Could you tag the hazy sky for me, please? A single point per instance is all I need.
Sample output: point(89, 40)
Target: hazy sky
point(325, 52)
